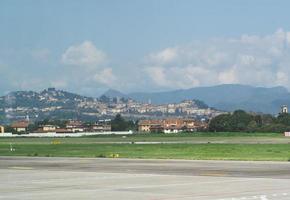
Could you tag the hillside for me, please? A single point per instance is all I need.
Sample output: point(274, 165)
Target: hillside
point(58, 104)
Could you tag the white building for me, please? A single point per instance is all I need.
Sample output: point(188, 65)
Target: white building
point(284, 109)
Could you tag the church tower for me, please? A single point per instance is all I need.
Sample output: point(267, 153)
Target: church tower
point(284, 109)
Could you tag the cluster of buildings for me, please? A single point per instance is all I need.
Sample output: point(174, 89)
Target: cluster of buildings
point(171, 125)
point(72, 126)
point(184, 108)
point(168, 125)
point(51, 102)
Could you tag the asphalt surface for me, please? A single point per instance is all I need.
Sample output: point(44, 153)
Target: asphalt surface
point(87, 178)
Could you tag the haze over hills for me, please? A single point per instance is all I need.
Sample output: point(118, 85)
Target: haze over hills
point(226, 97)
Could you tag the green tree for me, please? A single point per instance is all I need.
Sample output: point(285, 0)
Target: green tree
point(267, 119)
point(284, 119)
point(9, 129)
point(240, 120)
point(252, 126)
point(220, 123)
point(119, 123)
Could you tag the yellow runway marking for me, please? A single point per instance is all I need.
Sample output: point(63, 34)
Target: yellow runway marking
point(21, 168)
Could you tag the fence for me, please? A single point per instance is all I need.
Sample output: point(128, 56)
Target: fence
point(66, 134)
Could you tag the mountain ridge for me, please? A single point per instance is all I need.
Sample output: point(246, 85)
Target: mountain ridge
point(226, 97)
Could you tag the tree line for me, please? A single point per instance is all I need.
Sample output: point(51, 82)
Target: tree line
point(241, 121)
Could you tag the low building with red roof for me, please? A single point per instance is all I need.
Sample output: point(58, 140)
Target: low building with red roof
point(20, 126)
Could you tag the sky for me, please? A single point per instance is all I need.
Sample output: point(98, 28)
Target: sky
point(89, 46)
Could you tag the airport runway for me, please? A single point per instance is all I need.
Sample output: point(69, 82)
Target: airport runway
point(131, 179)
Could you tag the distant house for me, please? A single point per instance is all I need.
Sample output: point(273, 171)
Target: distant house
point(75, 126)
point(171, 125)
point(47, 128)
point(20, 126)
point(150, 126)
point(102, 126)
point(2, 130)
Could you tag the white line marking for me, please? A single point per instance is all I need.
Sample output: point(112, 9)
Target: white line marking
point(260, 197)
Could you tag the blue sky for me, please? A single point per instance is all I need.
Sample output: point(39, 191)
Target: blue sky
point(89, 46)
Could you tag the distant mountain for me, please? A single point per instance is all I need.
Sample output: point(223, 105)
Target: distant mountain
point(227, 97)
point(114, 93)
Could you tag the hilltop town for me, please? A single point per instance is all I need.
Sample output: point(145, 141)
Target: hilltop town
point(57, 104)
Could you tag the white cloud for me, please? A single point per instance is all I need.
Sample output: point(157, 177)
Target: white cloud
point(175, 77)
point(228, 76)
point(249, 59)
point(164, 56)
point(158, 75)
point(106, 77)
point(84, 55)
point(282, 78)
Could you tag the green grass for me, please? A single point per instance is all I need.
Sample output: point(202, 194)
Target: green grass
point(273, 152)
point(213, 146)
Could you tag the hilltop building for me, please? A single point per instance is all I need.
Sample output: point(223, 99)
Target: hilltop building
point(284, 109)
point(171, 125)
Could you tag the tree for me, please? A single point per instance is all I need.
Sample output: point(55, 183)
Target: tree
point(267, 119)
point(252, 126)
point(9, 129)
point(240, 120)
point(119, 123)
point(284, 119)
point(220, 123)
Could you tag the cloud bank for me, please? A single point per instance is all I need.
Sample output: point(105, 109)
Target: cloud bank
point(250, 59)
point(83, 55)
point(85, 68)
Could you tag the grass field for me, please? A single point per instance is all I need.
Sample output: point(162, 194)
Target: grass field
point(203, 146)
point(274, 152)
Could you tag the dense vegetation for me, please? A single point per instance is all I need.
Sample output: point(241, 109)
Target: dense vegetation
point(240, 121)
point(120, 124)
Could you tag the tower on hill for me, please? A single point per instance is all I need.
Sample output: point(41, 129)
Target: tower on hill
point(284, 109)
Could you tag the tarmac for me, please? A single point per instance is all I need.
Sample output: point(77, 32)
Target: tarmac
point(37, 178)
